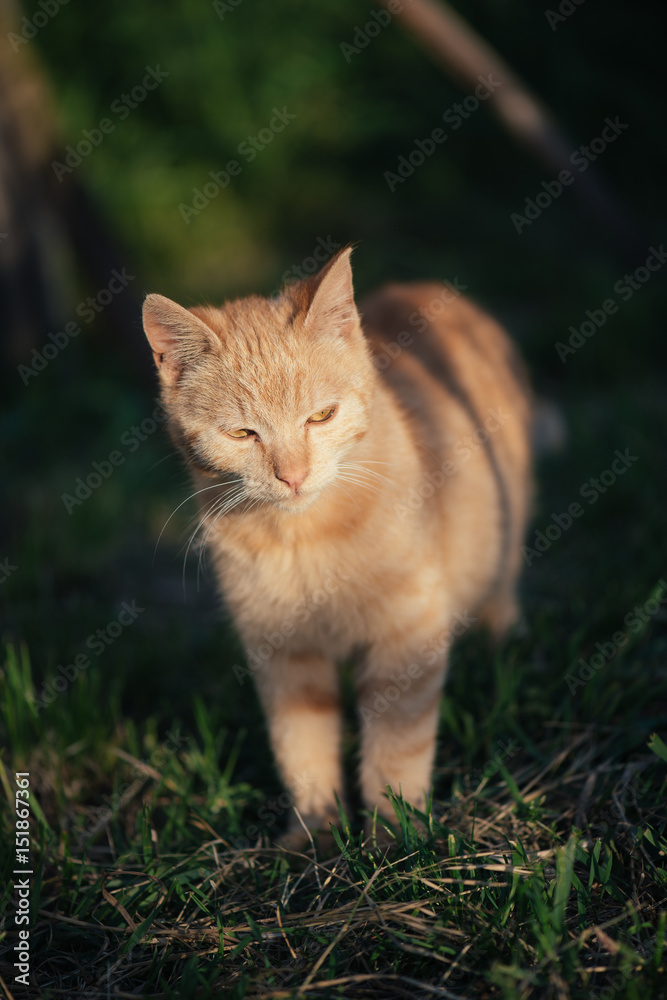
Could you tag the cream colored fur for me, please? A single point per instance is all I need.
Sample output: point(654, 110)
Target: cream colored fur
point(380, 532)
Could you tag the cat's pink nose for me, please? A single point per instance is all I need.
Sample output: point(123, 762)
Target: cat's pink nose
point(293, 476)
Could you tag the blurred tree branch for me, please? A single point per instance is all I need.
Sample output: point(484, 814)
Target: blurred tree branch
point(50, 232)
point(466, 56)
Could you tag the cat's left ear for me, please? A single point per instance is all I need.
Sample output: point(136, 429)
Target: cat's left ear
point(175, 334)
point(332, 308)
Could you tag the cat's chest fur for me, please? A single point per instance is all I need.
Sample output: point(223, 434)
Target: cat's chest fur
point(338, 585)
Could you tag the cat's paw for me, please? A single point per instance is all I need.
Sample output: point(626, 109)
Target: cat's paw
point(300, 839)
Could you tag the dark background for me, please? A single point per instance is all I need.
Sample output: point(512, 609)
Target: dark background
point(321, 177)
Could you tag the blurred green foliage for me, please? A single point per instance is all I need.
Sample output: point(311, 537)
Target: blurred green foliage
point(323, 175)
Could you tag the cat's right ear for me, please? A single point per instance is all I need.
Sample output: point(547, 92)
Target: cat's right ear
point(176, 336)
point(332, 307)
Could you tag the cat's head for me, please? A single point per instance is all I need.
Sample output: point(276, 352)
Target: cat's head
point(271, 392)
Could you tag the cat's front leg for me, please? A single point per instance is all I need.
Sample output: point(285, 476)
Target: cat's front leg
point(399, 700)
point(300, 696)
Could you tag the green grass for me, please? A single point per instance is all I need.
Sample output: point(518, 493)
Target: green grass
point(155, 803)
point(542, 873)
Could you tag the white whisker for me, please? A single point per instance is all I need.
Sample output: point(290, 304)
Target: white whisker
point(254, 503)
point(224, 506)
point(218, 503)
point(222, 509)
point(369, 461)
point(192, 495)
point(347, 493)
point(199, 519)
point(358, 481)
point(360, 468)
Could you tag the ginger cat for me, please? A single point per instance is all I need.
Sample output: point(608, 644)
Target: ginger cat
point(365, 482)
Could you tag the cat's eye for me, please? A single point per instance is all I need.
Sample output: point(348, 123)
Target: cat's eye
point(242, 432)
point(322, 415)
